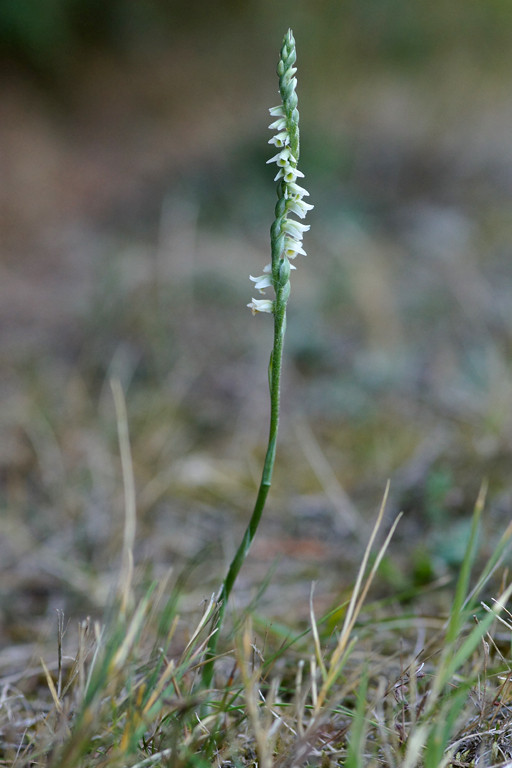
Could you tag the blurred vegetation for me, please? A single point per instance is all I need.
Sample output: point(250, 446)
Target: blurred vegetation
point(48, 36)
point(400, 331)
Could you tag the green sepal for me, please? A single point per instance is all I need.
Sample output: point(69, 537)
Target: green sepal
point(277, 247)
point(280, 207)
point(284, 272)
point(275, 229)
point(283, 295)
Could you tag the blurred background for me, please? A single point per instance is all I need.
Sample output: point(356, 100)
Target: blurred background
point(134, 203)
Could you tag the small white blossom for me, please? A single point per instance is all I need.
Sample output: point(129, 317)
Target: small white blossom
point(261, 305)
point(289, 174)
point(280, 139)
point(283, 158)
point(278, 125)
point(265, 281)
point(295, 228)
point(292, 248)
point(300, 208)
point(267, 269)
point(277, 111)
point(294, 192)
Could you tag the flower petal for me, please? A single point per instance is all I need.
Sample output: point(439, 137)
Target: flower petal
point(280, 139)
point(278, 125)
point(290, 174)
point(293, 191)
point(261, 305)
point(299, 207)
point(265, 281)
point(294, 228)
point(292, 248)
point(282, 158)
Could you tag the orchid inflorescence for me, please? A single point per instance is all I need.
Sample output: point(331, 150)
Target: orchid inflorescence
point(286, 234)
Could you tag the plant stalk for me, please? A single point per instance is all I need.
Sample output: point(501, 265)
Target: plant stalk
point(286, 243)
point(275, 366)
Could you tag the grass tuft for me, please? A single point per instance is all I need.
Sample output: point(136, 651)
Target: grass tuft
point(129, 697)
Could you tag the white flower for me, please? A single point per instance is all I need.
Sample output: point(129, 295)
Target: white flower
point(292, 248)
point(299, 207)
point(289, 174)
point(278, 125)
point(283, 158)
point(261, 305)
point(265, 281)
point(294, 192)
point(294, 228)
point(280, 139)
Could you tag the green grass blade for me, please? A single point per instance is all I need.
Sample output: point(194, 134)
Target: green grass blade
point(456, 615)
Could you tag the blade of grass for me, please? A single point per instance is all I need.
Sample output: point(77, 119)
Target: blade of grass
point(456, 614)
point(355, 757)
point(130, 519)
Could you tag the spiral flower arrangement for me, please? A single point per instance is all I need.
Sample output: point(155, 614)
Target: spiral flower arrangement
point(285, 234)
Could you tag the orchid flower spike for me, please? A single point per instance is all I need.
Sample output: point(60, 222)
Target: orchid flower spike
point(286, 234)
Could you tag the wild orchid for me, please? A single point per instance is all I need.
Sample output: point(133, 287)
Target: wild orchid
point(285, 244)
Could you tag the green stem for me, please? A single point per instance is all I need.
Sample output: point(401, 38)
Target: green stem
point(266, 479)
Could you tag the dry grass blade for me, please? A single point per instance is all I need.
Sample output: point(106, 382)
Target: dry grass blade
point(160, 686)
point(51, 686)
point(131, 635)
point(332, 487)
point(362, 569)
point(250, 682)
point(204, 620)
point(356, 603)
point(130, 520)
point(316, 638)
